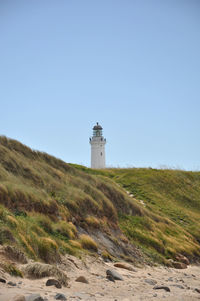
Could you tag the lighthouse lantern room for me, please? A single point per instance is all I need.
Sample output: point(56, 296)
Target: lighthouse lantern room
point(98, 142)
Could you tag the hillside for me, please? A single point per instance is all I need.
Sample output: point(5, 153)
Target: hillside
point(49, 208)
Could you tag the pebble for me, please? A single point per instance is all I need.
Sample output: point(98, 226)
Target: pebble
point(110, 277)
point(55, 282)
point(34, 297)
point(11, 283)
point(60, 297)
point(82, 279)
point(166, 288)
point(114, 274)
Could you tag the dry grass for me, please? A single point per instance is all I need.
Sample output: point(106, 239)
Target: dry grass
point(75, 244)
point(14, 254)
point(40, 194)
point(88, 243)
point(106, 256)
point(93, 222)
point(39, 270)
point(12, 270)
point(48, 250)
point(67, 230)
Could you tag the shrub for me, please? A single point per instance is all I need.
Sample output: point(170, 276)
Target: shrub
point(12, 221)
point(88, 243)
point(27, 246)
point(2, 213)
point(48, 250)
point(92, 222)
point(106, 256)
point(65, 229)
point(44, 222)
point(75, 244)
point(15, 254)
point(66, 248)
point(12, 270)
point(6, 235)
point(39, 270)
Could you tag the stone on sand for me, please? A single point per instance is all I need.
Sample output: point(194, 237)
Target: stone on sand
point(55, 282)
point(82, 279)
point(162, 287)
point(60, 297)
point(2, 280)
point(114, 274)
point(124, 266)
point(34, 297)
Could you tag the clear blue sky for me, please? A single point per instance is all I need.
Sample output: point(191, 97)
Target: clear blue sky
point(132, 65)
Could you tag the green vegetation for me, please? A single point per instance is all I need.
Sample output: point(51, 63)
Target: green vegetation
point(169, 201)
point(12, 270)
point(44, 202)
point(39, 270)
point(88, 243)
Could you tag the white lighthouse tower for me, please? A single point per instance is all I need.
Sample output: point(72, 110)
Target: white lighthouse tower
point(98, 148)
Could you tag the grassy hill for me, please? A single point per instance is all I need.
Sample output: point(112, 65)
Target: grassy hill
point(49, 208)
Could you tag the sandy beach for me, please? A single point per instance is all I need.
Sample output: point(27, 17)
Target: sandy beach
point(138, 284)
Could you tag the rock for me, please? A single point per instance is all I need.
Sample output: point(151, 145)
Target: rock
point(162, 287)
point(60, 297)
point(114, 274)
point(82, 279)
point(2, 280)
point(19, 298)
point(110, 278)
point(124, 266)
point(183, 259)
point(55, 282)
point(155, 295)
point(197, 290)
point(169, 263)
point(34, 297)
point(176, 264)
point(11, 283)
point(150, 281)
point(179, 265)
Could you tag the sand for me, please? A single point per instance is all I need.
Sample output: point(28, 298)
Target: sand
point(137, 284)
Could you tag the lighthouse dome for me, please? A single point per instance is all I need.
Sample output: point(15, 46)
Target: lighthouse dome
point(97, 127)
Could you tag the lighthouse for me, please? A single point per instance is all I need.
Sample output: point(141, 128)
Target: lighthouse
point(98, 142)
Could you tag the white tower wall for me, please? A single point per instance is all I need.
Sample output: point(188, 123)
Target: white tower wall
point(97, 148)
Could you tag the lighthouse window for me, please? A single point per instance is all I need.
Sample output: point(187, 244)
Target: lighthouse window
point(101, 154)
